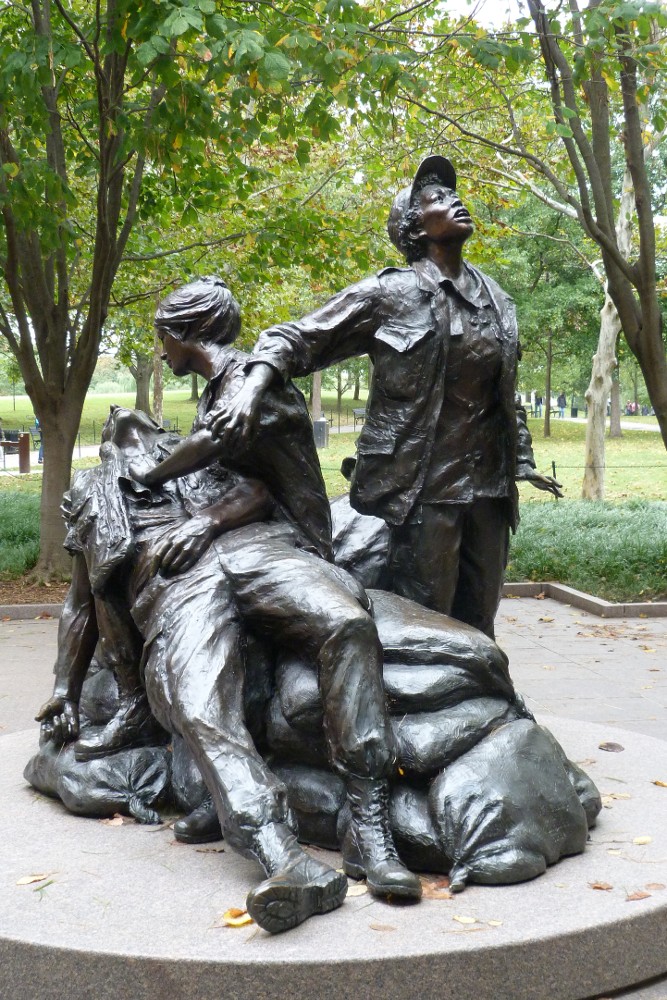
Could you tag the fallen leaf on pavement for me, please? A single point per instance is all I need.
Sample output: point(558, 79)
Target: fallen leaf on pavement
point(604, 886)
point(660, 784)
point(611, 747)
point(30, 879)
point(465, 920)
point(381, 927)
point(360, 889)
point(495, 923)
point(632, 896)
point(648, 649)
point(545, 618)
point(116, 820)
point(236, 918)
point(640, 841)
point(655, 886)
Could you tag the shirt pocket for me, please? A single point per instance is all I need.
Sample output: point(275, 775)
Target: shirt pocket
point(402, 355)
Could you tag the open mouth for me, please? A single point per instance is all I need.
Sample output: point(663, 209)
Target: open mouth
point(463, 215)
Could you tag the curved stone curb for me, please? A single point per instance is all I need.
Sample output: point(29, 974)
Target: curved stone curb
point(586, 602)
point(24, 612)
point(124, 911)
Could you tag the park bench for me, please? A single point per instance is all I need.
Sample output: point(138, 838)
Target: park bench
point(359, 415)
point(10, 442)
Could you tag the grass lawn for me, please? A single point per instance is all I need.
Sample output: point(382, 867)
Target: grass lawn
point(177, 409)
point(616, 550)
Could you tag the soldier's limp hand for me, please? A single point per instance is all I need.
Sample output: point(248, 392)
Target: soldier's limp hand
point(60, 720)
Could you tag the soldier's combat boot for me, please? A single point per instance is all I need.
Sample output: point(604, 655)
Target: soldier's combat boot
point(298, 886)
point(368, 848)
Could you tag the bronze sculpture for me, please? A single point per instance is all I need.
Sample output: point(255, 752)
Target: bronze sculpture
point(202, 546)
point(444, 438)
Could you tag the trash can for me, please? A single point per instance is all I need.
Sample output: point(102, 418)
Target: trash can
point(321, 432)
point(574, 412)
point(24, 452)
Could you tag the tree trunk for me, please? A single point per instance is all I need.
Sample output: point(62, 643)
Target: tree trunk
point(604, 362)
point(194, 388)
point(547, 387)
point(158, 382)
point(59, 430)
point(316, 399)
point(615, 416)
point(357, 386)
point(143, 371)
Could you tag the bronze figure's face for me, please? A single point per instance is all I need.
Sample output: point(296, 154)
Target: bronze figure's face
point(177, 353)
point(444, 218)
point(123, 426)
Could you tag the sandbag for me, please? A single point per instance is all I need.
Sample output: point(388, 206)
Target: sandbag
point(315, 797)
point(360, 543)
point(428, 741)
point(507, 808)
point(133, 782)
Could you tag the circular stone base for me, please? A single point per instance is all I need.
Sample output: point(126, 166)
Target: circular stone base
point(127, 912)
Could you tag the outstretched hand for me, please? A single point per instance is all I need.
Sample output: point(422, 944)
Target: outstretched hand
point(184, 546)
point(540, 482)
point(235, 422)
point(60, 720)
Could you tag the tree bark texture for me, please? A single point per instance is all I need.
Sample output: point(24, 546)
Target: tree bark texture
point(597, 394)
point(142, 371)
point(158, 381)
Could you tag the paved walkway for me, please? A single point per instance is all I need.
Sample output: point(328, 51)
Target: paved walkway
point(566, 663)
point(11, 462)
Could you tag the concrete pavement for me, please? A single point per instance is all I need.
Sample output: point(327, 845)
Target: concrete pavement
point(565, 661)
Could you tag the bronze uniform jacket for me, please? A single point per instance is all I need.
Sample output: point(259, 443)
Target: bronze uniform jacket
point(395, 317)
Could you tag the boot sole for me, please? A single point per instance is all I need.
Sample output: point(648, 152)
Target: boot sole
point(377, 889)
point(202, 838)
point(279, 907)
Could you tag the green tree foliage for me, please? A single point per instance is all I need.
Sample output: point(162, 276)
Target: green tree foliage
point(117, 116)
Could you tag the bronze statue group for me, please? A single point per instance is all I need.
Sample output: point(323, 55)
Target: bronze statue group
point(220, 646)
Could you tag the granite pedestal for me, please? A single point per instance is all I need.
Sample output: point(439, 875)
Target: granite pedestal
point(126, 912)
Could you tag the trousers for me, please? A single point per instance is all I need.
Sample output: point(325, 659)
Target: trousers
point(195, 626)
point(452, 558)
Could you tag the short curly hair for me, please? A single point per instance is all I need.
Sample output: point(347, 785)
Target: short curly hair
point(412, 246)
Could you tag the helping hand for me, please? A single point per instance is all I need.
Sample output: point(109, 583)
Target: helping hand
point(182, 548)
point(60, 720)
point(234, 423)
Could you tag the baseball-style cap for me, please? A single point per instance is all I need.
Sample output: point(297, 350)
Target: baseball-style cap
point(432, 166)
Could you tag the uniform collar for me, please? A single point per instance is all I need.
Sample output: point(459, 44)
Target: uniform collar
point(468, 284)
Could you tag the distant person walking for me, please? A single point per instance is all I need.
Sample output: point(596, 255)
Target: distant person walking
point(40, 457)
point(561, 403)
point(538, 406)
